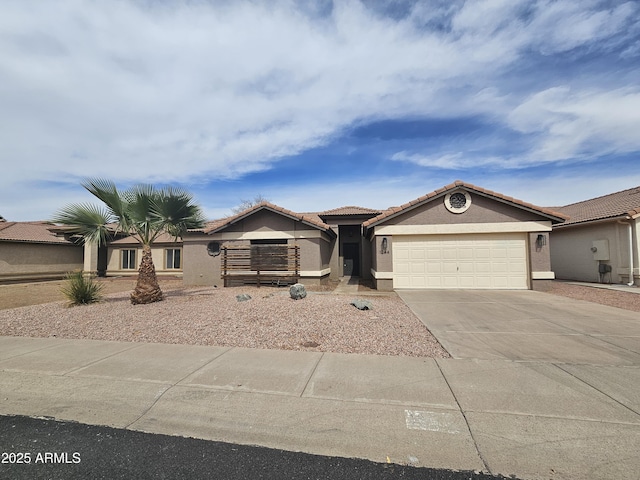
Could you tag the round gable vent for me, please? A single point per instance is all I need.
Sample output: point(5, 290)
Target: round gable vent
point(457, 202)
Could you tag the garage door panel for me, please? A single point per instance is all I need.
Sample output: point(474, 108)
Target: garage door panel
point(418, 268)
point(447, 254)
point(449, 267)
point(461, 261)
point(417, 254)
point(483, 268)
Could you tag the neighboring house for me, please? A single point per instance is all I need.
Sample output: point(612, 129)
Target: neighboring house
point(33, 251)
point(600, 240)
point(460, 236)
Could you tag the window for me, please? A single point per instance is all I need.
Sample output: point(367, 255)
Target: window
point(128, 259)
point(173, 259)
point(457, 202)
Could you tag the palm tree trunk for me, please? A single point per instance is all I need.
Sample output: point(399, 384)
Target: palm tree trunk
point(147, 288)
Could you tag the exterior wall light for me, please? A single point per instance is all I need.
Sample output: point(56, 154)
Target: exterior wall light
point(384, 248)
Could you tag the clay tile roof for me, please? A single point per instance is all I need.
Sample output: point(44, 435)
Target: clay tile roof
point(618, 204)
point(349, 210)
point(30, 232)
point(452, 186)
point(310, 219)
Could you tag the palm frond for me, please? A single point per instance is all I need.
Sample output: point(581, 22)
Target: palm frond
point(139, 206)
point(174, 207)
point(106, 191)
point(87, 220)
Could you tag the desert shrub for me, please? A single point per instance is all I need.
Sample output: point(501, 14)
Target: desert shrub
point(81, 290)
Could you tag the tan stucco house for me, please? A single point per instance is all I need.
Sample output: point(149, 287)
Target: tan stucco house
point(460, 236)
point(600, 240)
point(34, 251)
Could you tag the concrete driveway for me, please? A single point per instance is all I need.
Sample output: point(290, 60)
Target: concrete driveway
point(527, 326)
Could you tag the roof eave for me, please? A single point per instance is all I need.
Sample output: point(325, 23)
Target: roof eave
point(250, 212)
point(595, 221)
point(556, 217)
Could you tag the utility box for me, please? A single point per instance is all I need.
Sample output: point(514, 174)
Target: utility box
point(600, 249)
point(604, 268)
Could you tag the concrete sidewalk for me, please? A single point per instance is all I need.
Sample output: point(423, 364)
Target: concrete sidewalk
point(532, 420)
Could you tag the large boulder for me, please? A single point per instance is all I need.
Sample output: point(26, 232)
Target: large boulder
point(362, 304)
point(297, 291)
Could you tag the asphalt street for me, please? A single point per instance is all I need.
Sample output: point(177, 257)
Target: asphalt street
point(36, 448)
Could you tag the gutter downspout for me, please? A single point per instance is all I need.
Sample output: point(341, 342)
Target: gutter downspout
point(630, 230)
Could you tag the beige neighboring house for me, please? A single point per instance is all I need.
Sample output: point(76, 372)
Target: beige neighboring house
point(600, 240)
point(460, 236)
point(33, 251)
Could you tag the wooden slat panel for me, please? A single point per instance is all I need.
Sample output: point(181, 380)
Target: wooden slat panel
point(256, 264)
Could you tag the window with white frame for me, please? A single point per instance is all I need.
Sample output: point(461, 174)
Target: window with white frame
point(173, 257)
point(128, 259)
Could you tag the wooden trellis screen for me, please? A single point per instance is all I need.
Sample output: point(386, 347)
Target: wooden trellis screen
point(260, 264)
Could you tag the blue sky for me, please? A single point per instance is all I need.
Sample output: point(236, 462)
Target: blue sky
point(315, 107)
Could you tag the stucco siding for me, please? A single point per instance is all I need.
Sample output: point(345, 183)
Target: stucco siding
point(326, 251)
point(572, 258)
point(199, 267)
point(158, 254)
point(383, 258)
point(540, 254)
point(263, 220)
point(21, 260)
point(310, 254)
point(482, 210)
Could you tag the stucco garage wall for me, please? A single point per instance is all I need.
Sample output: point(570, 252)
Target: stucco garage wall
point(382, 263)
point(539, 254)
point(482, 210)
point(28, 261)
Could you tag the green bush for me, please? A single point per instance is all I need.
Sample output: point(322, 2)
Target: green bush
point(81, 290)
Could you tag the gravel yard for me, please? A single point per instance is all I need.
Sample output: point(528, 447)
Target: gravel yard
point(206, 316)
point(612, 298)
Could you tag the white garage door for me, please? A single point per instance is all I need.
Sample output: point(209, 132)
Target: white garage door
point(496, 261)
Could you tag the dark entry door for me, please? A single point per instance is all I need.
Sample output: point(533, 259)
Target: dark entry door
point(351, 255)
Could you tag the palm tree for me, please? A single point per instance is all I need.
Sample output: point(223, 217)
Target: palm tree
point(142, 211)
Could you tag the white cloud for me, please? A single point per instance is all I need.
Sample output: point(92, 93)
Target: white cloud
point(181, 90)
point(588, 124)
point(563, 26)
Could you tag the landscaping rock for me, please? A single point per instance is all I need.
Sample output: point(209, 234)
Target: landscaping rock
point(243, 297)
point(362, 304)
point(297, 291)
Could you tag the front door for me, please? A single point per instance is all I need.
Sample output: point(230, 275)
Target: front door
point(351, 256)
